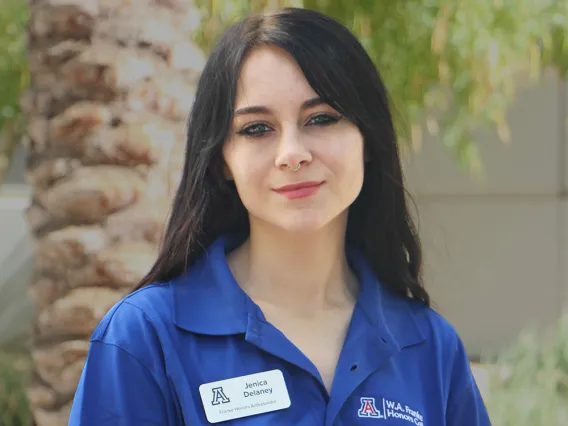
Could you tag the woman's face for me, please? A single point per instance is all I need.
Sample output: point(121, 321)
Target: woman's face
point(280, 123)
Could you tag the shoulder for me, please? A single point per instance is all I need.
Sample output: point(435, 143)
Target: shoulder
point(434, 327)
point(444, 343)
point(411, 321)
point(441, 341)
point(137, 319)
point(463, 401)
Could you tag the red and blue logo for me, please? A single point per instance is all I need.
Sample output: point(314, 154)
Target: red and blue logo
point(369, 409)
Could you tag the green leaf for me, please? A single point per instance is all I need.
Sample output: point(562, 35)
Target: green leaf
point(529, 381)
point(454, 59)
point(13, 61)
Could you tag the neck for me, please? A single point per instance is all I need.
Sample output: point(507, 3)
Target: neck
point(302, 272)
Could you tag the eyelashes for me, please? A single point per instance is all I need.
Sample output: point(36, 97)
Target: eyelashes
point(324, 119)
point(254, 130)
point(257, 130)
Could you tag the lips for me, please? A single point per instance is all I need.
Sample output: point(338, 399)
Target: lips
point(297, 186)
point(299, 190)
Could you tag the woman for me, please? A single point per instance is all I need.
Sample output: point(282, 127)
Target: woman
point(287, 290)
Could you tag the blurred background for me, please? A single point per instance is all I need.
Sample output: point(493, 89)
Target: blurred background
point(93, 100)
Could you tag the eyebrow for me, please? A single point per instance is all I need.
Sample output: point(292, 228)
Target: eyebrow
point(264, 110)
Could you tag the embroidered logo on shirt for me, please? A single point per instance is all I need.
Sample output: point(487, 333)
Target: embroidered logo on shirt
point(389, 409)
point(368, 408)
point(219, 396)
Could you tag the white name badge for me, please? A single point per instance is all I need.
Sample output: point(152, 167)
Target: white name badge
point(244, 396)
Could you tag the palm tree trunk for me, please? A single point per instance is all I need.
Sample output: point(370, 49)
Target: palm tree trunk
point(111, 86)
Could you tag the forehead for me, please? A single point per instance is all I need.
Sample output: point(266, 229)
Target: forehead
point(271, 76)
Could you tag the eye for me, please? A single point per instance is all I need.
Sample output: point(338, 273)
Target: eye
point(323, 120)
point(255, 130)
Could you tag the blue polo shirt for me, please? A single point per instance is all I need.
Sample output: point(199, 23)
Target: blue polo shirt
point(402, 364)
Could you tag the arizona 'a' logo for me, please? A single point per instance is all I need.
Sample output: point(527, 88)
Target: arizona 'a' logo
point(369, 409)
point(219, 396)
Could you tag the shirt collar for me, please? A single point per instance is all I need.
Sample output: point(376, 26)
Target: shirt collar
point(208, 300)
point(393, 316)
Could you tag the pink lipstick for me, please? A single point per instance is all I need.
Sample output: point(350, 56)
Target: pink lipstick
point(299, 190)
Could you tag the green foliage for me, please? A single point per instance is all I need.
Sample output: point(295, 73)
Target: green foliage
point(13, 63)
point(456, 59)
point(529, 384)
point(14, 409)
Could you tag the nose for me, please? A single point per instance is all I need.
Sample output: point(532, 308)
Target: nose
point(292, 152)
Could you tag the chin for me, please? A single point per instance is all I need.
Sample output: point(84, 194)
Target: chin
point(307, 220)
point(304, 223)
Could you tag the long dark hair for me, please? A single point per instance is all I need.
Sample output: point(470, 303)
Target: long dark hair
point(342, 74)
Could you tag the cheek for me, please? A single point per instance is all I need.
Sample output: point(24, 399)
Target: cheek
point(348, 159)
point(236, 163)
point(247, 172)
point(229, 160)
point(354, 170)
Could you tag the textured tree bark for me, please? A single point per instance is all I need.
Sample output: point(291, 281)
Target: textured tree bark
point(112, 82)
